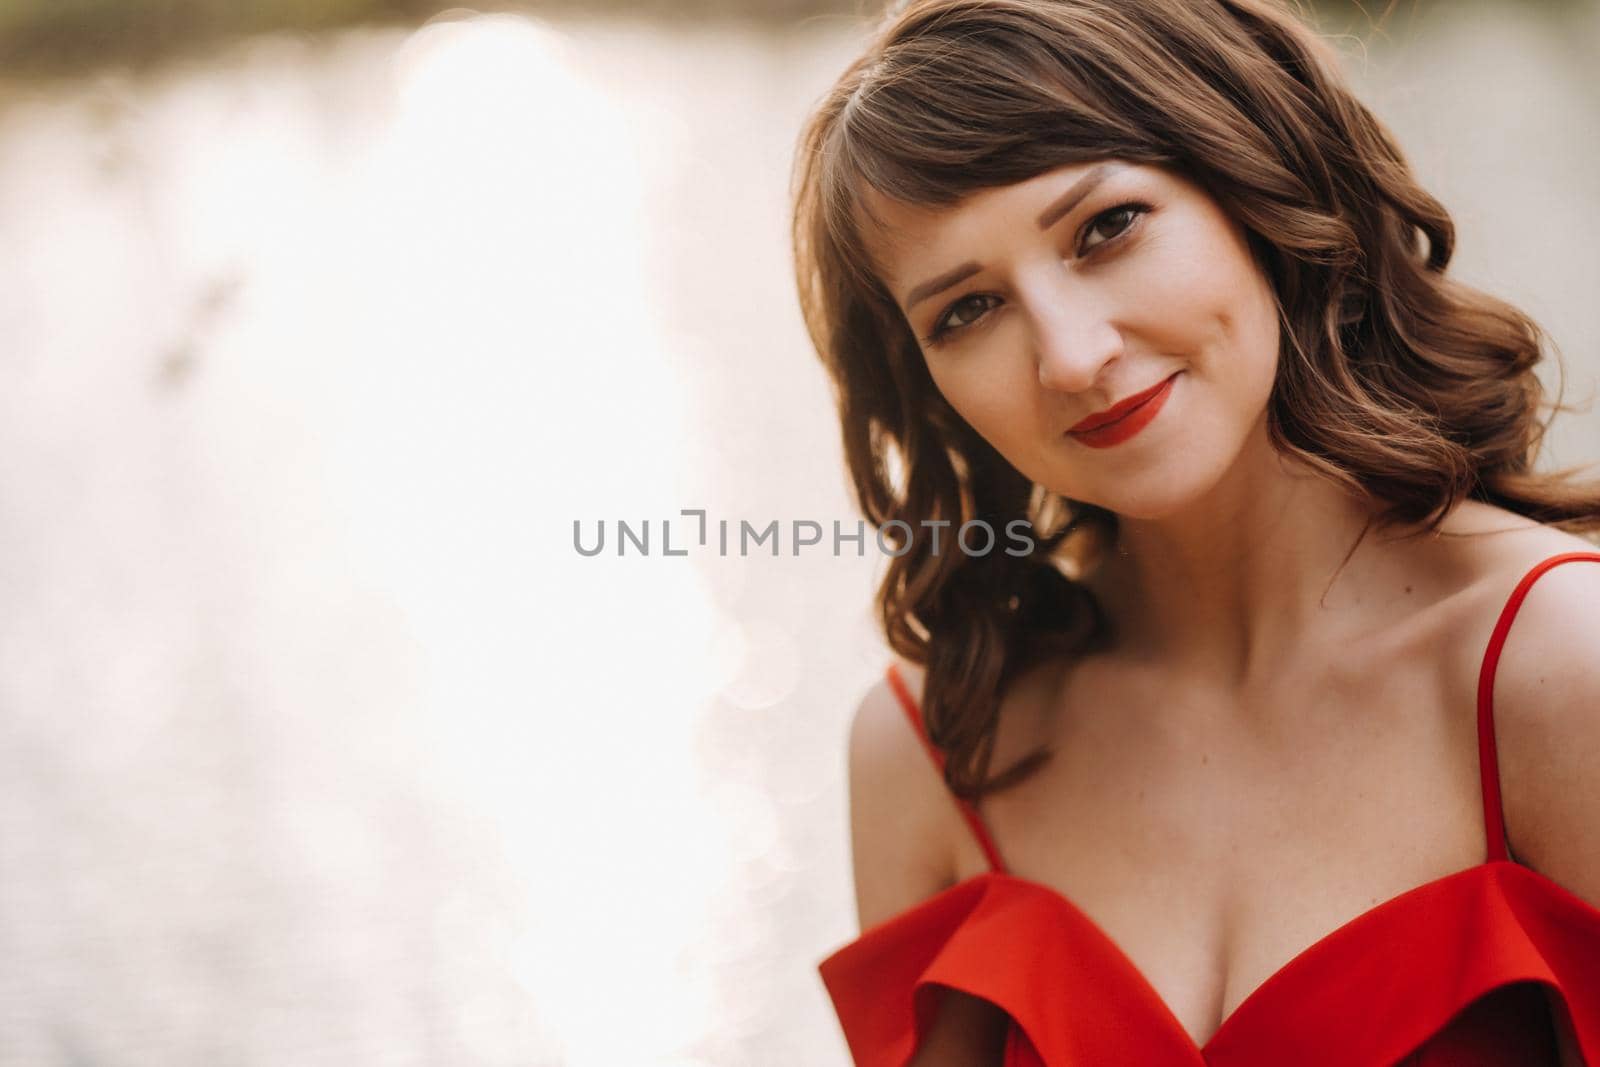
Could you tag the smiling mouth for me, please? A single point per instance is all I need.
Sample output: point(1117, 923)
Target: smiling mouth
point(1120, 411)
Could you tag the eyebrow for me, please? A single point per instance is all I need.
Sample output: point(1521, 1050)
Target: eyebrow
point(1047, 218)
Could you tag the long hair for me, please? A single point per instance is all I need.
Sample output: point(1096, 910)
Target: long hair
point(1394, 380)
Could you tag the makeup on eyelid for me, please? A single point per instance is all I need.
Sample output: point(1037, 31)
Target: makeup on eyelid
point(1136, 211)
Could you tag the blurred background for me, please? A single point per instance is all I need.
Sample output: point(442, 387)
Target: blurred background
point(323, 322)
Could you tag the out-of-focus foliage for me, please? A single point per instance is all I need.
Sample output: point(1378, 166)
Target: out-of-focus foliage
point(65, 36)
point(68, 36)
point(50, 36)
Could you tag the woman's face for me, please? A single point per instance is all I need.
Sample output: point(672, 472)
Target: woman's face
point(1042, 307)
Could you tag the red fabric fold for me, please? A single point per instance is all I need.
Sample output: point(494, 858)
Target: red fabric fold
point(1435, 977)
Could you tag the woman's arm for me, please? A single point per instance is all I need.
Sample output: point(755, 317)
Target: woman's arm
point(902, 841)
point(1547, 731)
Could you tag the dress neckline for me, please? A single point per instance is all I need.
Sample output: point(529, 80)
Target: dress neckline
point(1016, 912)
point(1299, 961)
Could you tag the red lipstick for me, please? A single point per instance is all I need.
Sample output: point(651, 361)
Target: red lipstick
point(1123, 419)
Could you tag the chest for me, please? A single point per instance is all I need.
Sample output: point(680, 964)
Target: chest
point(1213, 838)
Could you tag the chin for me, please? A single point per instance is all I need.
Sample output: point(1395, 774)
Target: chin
point(1165, 492)
point(1152, 508)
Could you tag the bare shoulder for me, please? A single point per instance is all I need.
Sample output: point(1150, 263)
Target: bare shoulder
point(902, 818)
point(903, 831)
point(1484, 551)
point(1546, 703)
point(1497, 550)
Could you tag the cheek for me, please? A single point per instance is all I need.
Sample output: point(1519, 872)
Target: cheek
point(996, 403)
point(1220, 309)
point(1249, 328)
point(986, 401)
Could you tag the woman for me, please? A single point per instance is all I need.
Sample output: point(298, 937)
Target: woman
point(1249, 764)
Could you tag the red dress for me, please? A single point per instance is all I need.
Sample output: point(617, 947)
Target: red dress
point(1449, 974)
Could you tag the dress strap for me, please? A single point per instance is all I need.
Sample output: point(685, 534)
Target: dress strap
point(968, 810)
point(1494, 825)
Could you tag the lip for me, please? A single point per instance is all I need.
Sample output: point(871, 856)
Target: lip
point(1124, 419)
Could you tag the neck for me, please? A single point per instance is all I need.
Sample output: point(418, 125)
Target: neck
point(1226, 590)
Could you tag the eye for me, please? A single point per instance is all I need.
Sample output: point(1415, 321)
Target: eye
point(1104, 228)
point(959, 315)
point(1109, 225)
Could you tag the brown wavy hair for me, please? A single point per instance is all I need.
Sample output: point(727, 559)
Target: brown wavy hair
point(1394, 380)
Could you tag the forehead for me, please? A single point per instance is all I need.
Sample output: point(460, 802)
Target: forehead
point(890, 229)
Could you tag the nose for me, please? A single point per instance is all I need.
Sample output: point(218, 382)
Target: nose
point(1074, 341)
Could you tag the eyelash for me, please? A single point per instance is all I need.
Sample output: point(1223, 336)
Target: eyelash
point(1136, 211)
